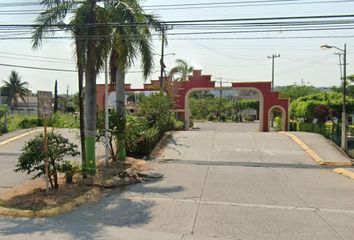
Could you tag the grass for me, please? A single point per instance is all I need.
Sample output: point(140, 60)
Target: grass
point(13, 121)
point(58, 120)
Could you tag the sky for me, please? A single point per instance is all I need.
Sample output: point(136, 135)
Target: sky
point(232, 60)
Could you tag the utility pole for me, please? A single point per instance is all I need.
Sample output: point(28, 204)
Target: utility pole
point(344, 144)
point(344, 137)
point(273, 57)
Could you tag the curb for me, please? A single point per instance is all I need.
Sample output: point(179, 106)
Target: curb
point(11, 139)
point(160, 144)
point(93, 194)
point(313, 154)
point(344, 172)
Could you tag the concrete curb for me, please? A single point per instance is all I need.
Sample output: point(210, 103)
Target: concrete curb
point(160, 144)
point(11, 139)
point(93, 194)
point(344, 172)
point(313, 154)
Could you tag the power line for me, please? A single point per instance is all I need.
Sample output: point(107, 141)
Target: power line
point(50, 69)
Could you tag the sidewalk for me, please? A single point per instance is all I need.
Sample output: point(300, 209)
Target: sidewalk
point(323, 147)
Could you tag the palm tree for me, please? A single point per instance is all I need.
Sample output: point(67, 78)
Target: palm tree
point(180, 71)
point(127, 43)
point(90, 53)
point(15, 89)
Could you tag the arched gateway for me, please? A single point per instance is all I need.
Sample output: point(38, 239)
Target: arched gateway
point(180, 90)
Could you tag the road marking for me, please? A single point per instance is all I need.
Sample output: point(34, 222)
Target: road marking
point(344, 172)
point(236, 204)
point(313, 154)
point(7, 141)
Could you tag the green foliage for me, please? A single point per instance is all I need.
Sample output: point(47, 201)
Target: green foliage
point(69, 169)
point(29, 123)
point(142, 129)
point(210, 107)
point(304, 107)
point(249, 119)
point(156, 110)
point(32, 158)
point(64, 120)
point(293, 91)
point(278, 122)
point(3, 112)
point(178, 125)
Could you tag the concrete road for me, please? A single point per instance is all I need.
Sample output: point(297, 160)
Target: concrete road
point(10, 152)
point(216, 185)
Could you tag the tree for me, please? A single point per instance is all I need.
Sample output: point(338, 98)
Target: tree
point(180, 71)
point(90, 53)
point(32, 159)
point(128, 41)
point(14, 88)
point(293, 91)
point(55, 96)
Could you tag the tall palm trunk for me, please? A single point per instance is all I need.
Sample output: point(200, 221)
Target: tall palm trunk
point(90, 109)
point(121, 121)
point(82, 119)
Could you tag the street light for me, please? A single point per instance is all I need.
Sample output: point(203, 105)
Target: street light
point(344, 144)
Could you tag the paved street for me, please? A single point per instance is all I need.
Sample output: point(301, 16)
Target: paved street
point(217, 184)
point(10, 152)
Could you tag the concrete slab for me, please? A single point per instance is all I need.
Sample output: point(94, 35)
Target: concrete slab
point(341, 222)
point(259, 223)
point(248, 185)
point(320, 188)
point(180, 181)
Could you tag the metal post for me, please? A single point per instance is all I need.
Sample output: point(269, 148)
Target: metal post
point(46, 160)
point(162, 57)
point(344, 143)
point(273, 57)
point(106, 114)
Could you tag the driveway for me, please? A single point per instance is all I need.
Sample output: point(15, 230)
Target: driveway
point(216, 185)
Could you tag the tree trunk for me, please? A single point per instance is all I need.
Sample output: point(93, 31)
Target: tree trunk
point(90, 97)
point(82, 121)
point(120, 105)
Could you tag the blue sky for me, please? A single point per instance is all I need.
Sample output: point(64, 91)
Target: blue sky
point(232, 60)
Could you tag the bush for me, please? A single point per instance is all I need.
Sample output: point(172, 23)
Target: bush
point(211, 117)
point(178, 125)
point(278, 122)
point(63, 120)
point(28, 123)
point(293, 125)
point(249, 118)
point(222, 117)
point(32, 158)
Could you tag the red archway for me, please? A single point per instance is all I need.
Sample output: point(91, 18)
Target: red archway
point(180, 91)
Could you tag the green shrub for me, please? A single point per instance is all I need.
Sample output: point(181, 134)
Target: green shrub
point(63, 120)
point(249, 118)
point(178, 125)
point(28, 123)
point(293, 125)
point(278, 123)
point(211, 117)
point(69, 169)
point(222, 117)
point(32, 158)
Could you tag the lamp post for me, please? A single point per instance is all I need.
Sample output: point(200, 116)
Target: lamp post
point(344, 143)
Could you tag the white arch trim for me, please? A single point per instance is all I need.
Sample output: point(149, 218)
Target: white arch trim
point(283, 114)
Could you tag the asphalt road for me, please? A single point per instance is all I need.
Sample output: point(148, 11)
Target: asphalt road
point(217, 185)
point(10, 152)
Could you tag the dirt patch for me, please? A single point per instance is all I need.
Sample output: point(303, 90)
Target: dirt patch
point(32, 195)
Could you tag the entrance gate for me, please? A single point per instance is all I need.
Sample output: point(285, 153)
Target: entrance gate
point(180, 91)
